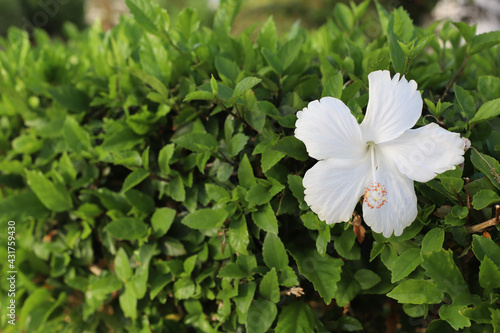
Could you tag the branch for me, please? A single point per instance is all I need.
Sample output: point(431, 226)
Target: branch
point(478, 228)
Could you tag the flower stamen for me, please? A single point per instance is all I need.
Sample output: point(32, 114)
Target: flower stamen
point(375, 195)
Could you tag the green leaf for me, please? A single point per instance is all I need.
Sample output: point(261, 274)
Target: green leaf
point(238, 235)
point(487, 111)
point(441, 268)
point(71, 98)
point(453, 315)
point(485, 247)
point(263, 191)
point(175, 189)
point(489, 86)
point(343, 16)
point(265, 219)
point(296, 317)
point(488, 166)
point(366, 278)
point(244, 85)
point(465, 101)
point(333, 86)
point(205, 218)
point(134, 178)
point(433, 240)
point(417, 292)
point(293, 147)
point(162, 220)
point(267, 37)
point(405, 264)
point(466, 30)
point(246, 177)
point(122, 265)
point(269, 287)
point(289, 51)
point(483, 41)
point(347, 289)
point(274, 252)
point(53, 195)
point(184, 288)
point(128, 228)
point(346, 246)
point(188, 21)
point(323, 272)
point(142, 11)
point(128, 302)
point(236, 144)
point(484, 198)
point(75, 136)
point(401, 25)
point(397, 55)
point(260, 316)
point(198, 142)
point(200, 95)
point(227, 69)
point(273, 60)
point(164, 158)
point(489, 274)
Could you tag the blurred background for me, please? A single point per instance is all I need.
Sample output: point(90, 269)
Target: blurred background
point(51, 14)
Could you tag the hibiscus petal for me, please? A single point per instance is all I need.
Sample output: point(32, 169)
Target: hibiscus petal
point(397, 208)
point(394, 106)
point(424, 152)
point(328, 129)
point(333, 187)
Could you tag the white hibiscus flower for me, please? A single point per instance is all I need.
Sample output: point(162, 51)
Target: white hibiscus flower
point(379, 158)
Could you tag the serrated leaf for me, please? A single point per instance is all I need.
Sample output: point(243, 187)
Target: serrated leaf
point(227, 69)
point(366, 278)
point(162, 220)
point(484, 198)
point(293, 147)
point(53, 196)
point(441, 268)
point(128, 228)
point(433, 240)
point(488, 166)
point(198, 142)
point(483, 41)
point(236, 144)
point(487, 111)
point(406, 263)
point(489, 274)
point(246, 177)
point(273, 60)
point(265, 219)
point(452, 314)
point(323, 272)
point(77, 138)
point(417, 292)
point(200, 95)
point(465, 101)
point(128, 302)
point(134, 178)
point(296, 317)
point(269, 287)
point(260, 317)
point(244, 85)
point(486, 247)
point(205, 218)
point(274, 252)
point(122, 265)
point(70, 97)
point(238, 235)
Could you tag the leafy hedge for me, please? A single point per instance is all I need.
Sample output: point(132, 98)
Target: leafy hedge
point(156, 184)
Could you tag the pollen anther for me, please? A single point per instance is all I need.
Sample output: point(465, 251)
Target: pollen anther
point(375, 195)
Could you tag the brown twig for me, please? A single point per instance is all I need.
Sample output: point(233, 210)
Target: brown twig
point(478, 228)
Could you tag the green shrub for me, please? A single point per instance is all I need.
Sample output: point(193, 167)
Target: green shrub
point(156, 185)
